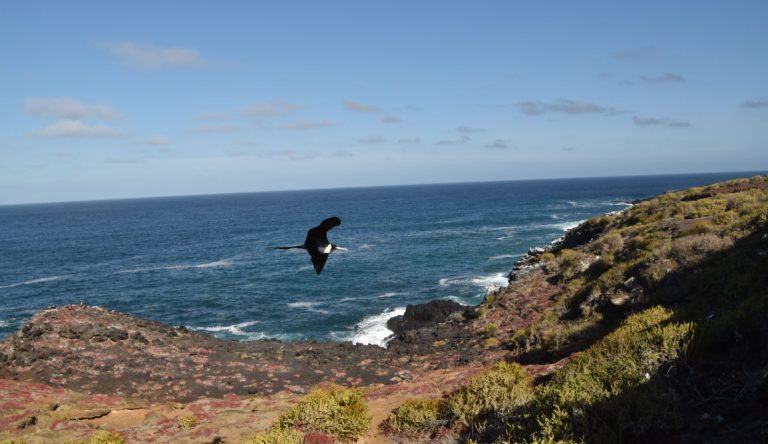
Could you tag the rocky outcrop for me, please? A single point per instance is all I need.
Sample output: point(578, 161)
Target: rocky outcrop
point(424, 315)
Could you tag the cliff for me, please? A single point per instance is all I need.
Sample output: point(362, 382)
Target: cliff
point(647, 324)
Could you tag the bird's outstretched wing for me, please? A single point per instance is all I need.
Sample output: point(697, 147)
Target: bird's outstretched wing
point(318, 260)
point(318, 236)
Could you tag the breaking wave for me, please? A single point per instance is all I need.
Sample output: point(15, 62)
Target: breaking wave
point(372, 330)
point(34, 281)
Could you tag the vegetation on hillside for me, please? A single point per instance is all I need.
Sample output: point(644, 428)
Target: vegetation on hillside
point(669, 303)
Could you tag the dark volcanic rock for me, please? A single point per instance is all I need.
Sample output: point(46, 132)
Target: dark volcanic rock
point(581, 235)
point(423, 315)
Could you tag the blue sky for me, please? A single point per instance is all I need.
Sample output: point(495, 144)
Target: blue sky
point(132, 99)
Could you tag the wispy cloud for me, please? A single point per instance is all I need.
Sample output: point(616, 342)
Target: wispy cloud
point(124, 161)
point(655, 121)
point(270, 109)
point(409, 140)
point(568, 149)
point(289, 154)
point(469, 130)
point(65, 108)
point(158, 140)
point(643, 53)
point(358, 107)
point(497, 144)
point(565, 106)
point(754, 104)
point(391, 119)
point(372, 140)
point(213, 129)
point(76, 129)
point(668, 77)
point(147, 56)
point(212, 116)
point(305, 124)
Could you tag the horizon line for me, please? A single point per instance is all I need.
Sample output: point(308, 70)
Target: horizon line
point(290, 190)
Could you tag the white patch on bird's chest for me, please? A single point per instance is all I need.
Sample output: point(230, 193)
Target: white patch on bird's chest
point(325, 250)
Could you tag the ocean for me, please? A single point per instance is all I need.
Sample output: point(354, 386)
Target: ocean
point(204, 261)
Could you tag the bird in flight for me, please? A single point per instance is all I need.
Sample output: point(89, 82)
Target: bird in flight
point(317, 244)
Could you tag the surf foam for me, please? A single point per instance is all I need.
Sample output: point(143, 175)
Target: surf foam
point(309, 306)
point(372, 330)
point(235, 329)
point(34, 281)
point(214, 264)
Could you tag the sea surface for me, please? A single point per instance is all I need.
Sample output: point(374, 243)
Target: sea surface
point(205, 262)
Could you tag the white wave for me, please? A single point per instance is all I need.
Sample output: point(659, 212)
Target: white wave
point(309, 306)
point(34, 281)
point(305, 267)
point(389, 294)
point(366, 246)
point(348, 299)
point(498, 280)
point(565, 226)
point(214, 264)
point(373, 330)
point(4, 323)
point(505, 256)
point(235, 329)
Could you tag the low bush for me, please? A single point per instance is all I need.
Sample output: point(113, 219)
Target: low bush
point(610, 388)
point(277, 436)
point(335, 410)
point(417, 416)
point(495, 394)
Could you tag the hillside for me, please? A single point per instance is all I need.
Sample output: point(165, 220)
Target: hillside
point(648, 324)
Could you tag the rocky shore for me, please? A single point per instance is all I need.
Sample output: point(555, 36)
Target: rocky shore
point(124, 362)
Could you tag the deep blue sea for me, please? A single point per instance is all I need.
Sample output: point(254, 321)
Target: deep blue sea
point(204, 261)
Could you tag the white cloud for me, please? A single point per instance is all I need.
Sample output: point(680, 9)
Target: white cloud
point(211, 129)
point(269, 109)
point(655, 121)
point(565, 106)
point(76, 129)
point(754, 104)
point(498, 144)
point(65, 108)
point(468, 130)
point(358, 107)
point(391, 119)
point(372, 139)
point(212, 116)
point(158, 140)
point(154, 57)
point(664, 78)
point(306, 124)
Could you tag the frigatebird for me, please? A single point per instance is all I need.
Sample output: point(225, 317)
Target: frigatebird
point(317, 244)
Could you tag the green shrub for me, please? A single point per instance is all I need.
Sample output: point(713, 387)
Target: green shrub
point(570, 263)
point(492, 342)
point(490, 328)
point(102, 437)
point(417, 416)
point(187, 422)
point(277, 436)
point(497, 392)
point(609, 389)
point(336, 411)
